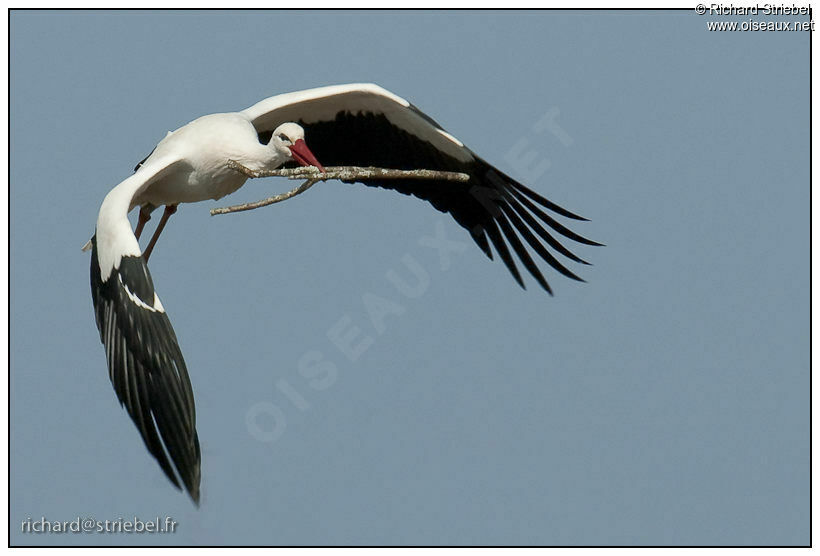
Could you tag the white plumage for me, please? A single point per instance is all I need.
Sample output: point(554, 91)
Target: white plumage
point(346, 125)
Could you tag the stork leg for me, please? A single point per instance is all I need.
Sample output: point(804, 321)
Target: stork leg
point(169, 210)
point(145, 216)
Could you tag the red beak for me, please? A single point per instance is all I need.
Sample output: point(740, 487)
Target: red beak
point(301, 154)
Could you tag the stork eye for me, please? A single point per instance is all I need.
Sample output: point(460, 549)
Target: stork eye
point(284, 138)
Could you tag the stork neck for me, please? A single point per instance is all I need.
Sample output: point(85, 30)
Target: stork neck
point(263, 157)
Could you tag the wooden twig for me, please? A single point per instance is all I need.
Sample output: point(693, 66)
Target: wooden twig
point(265, 202)
point(313, 175)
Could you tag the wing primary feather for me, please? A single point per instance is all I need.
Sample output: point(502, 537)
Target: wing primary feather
point(503, 251)
point(497, 175)
point(147, 426)
point(174, 443)
point(552, 223)
point(480, 238)
point(521, 251)
point(539, 248)
point(543, 201)
point(540, 230)
point(153, 441)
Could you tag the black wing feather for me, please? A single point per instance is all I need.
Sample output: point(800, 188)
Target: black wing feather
point(147, 369)
point(503, 251)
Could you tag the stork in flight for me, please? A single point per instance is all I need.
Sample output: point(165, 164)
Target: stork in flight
point(345, 125)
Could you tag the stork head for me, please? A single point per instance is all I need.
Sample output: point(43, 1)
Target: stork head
point(289, 141)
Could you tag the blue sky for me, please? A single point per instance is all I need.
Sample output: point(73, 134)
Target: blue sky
point(665, 401)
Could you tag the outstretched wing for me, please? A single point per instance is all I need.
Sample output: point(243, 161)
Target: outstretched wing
point(365, 125)
point(145, 363)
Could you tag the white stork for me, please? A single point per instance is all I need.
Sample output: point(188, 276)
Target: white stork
point(346, 125)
